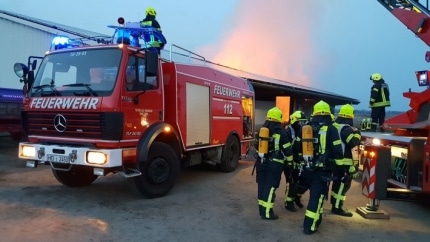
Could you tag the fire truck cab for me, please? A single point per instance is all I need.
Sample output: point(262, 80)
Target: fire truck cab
point(115, 106)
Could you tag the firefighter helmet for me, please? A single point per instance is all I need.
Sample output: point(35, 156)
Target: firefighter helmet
point(151, 11)
point(346, 111)
point(297, 116)
point(376, 77)
point(321, 108)
point(274, 114)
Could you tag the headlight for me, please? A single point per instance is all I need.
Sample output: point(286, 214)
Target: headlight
point(28, 151)
point(94, 157)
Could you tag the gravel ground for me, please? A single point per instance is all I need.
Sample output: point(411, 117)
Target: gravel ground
point(204, 205)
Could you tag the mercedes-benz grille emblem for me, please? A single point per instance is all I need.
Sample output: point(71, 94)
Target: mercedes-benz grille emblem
point(60, 123)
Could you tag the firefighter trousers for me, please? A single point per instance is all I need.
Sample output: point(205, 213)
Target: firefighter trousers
point(292, 179)
point(378, 117)
point(340, 186)
point(268, 179)
point(318, 187)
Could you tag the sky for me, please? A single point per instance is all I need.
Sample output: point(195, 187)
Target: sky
point(331, 45)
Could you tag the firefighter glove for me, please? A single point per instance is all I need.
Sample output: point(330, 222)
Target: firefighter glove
point(355, 175)
point(353, 170)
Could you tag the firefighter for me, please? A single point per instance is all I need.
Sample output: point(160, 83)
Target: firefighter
point(347, 169)
point(153, 40)
point(326, 151)
point(270, 164)
point(292, 170)
point(96, 75)
point(379, 99)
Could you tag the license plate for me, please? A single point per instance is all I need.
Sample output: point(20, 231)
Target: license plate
point(58, 158)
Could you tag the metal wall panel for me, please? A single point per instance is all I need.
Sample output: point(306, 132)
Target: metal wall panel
point(198, 113)
point(18, 42)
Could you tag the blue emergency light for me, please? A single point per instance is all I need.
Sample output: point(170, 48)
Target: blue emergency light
point(60, 42)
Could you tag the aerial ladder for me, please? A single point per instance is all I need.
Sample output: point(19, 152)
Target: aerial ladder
point(414, 14)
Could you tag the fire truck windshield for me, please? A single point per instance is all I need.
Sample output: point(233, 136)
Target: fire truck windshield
point(78, 72)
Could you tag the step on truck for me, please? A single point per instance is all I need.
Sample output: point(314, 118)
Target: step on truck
point(105, 106)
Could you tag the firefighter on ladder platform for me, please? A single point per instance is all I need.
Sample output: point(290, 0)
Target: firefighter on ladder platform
point(274, 149)
point(292, 170)
point(346, 169)
point(379, 99)
point(321, 149)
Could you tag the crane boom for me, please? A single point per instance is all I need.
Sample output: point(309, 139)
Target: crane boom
point(414, 14)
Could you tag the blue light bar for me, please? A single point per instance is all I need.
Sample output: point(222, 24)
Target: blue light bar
point(60, 42)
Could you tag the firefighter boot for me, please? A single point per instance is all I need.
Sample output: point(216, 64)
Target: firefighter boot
point(271, 217)
point(373, 128)
point(298, 202)
point(290, 207)
point(341, 212)
point(381, 129)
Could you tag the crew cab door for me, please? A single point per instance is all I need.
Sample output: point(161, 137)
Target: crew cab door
point(142, 99)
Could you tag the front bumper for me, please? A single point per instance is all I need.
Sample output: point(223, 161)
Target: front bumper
point(58, 154)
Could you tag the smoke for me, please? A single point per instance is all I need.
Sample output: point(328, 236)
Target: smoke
point(274, 38)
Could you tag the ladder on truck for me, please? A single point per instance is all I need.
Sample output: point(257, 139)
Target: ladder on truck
point(414, 14)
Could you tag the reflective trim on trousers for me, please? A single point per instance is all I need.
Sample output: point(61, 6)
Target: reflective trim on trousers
point(315, 216)
point(338, 196)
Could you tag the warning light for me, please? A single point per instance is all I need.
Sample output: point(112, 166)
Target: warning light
point(60, 42)
point(121, 20)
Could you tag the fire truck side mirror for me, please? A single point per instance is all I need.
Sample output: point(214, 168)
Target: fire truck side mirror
point(151, 63)
point(33, 65)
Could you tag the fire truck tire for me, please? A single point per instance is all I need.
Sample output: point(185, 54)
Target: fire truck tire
point(159, 171)
point(76, 177)
point(231, 155)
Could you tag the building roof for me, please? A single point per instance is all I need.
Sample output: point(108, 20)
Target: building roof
point(266, 88)
point(50, 27)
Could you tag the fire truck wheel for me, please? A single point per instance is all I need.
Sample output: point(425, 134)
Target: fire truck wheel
point(76, 177)
point(159, 172)
point(231, 154)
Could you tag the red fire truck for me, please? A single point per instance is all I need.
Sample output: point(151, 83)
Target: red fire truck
point(405, 150)
point(114, 106)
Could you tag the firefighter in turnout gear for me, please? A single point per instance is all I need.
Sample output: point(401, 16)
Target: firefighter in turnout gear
point(326, 147)
point(346, 169)
point(154, 41)
point(379, 99)
point(270, 163)
point(293, 170)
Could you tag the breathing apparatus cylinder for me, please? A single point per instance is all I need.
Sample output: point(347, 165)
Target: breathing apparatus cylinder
point(263, 142)
point(307, 143)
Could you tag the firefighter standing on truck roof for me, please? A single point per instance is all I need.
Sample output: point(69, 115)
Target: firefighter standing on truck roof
point(379, 99)
point(292, 169)
point(149, 21)
point(270, 162)
point(326, 149)
point(347, 169)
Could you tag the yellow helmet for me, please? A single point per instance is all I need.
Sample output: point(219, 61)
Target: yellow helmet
point(151, 11)
point(297, 116)
point(321, 108)
point(376, 77)
point(274, 114)
point(346, 111)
